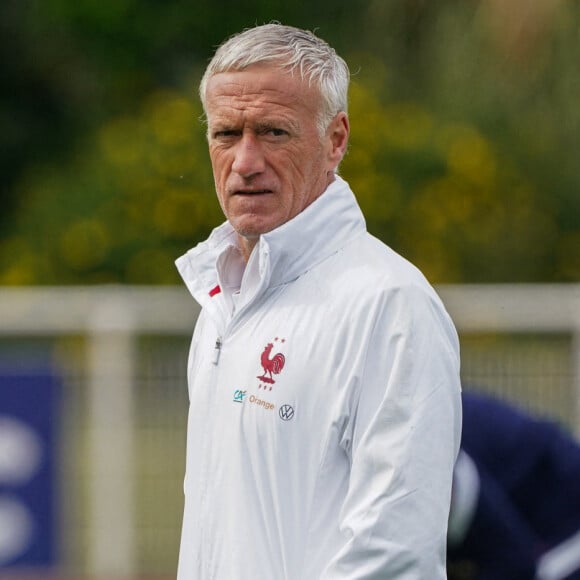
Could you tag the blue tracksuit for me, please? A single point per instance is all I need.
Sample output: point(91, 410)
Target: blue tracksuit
point(529, 494)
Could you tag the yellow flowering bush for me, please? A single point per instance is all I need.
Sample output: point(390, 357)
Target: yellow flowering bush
point(140, 193)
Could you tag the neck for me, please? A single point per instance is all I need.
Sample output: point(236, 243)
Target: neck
point(247, 245)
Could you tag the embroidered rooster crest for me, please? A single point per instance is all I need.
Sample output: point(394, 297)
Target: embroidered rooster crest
point(271, 365)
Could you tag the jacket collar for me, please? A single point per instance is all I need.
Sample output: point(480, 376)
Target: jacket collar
point(285, 253)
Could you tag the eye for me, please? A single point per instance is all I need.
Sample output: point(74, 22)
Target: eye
point(225, 134)
point(274, 134)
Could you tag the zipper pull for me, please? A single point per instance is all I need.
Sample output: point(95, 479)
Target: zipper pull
point(217, 350)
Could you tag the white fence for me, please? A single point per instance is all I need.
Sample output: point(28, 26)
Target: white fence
point(122, 461)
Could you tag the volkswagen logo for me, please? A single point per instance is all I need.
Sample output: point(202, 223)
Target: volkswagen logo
point(286, 412)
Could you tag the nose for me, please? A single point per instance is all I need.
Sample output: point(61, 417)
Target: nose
point(248, 156)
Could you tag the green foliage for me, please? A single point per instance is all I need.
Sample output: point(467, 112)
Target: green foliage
point(135, 197)
point(441, 194)
point(464, 116)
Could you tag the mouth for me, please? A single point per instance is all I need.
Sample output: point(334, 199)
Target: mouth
point(250, 192)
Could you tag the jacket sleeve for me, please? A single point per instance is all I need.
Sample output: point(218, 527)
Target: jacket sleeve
point(405, 434)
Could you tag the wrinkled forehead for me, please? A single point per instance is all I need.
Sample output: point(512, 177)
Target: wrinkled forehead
point(263, 87)
point(280, 65)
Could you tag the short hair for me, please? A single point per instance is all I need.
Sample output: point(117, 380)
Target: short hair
point(293, 49)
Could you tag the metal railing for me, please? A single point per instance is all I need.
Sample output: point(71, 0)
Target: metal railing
point(110, 324)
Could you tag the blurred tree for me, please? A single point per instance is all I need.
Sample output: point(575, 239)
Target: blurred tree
point(37, 97)
point(140, 190)
point(141, 193)
point(508, 70)
point(440, 194)
point(67, 66)
point(463, 153)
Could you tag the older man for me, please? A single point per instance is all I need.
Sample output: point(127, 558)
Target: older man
point(324, 391)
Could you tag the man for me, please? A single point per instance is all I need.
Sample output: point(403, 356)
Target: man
point(515, 511)
point(324, 372)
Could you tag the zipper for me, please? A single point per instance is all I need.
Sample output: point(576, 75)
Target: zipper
point(217, 350)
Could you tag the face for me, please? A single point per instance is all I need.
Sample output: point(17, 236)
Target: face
point(268, 158)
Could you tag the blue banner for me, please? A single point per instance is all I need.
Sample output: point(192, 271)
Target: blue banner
point(28, 487)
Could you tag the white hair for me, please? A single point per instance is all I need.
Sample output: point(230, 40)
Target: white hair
point(293, 49)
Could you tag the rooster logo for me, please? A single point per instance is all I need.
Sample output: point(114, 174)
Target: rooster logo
point(271, 366)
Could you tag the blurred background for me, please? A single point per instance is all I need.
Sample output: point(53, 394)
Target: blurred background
point(464, 154)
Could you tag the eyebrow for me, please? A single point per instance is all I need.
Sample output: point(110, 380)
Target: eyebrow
point(266, 125)
point(261, 125)
point(277, 123)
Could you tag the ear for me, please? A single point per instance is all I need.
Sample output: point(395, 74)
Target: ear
point(337, 133)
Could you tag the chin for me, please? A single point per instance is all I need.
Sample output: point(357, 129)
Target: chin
point(252, 230)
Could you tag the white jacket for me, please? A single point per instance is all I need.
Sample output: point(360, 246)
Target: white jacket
point(324, 415)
